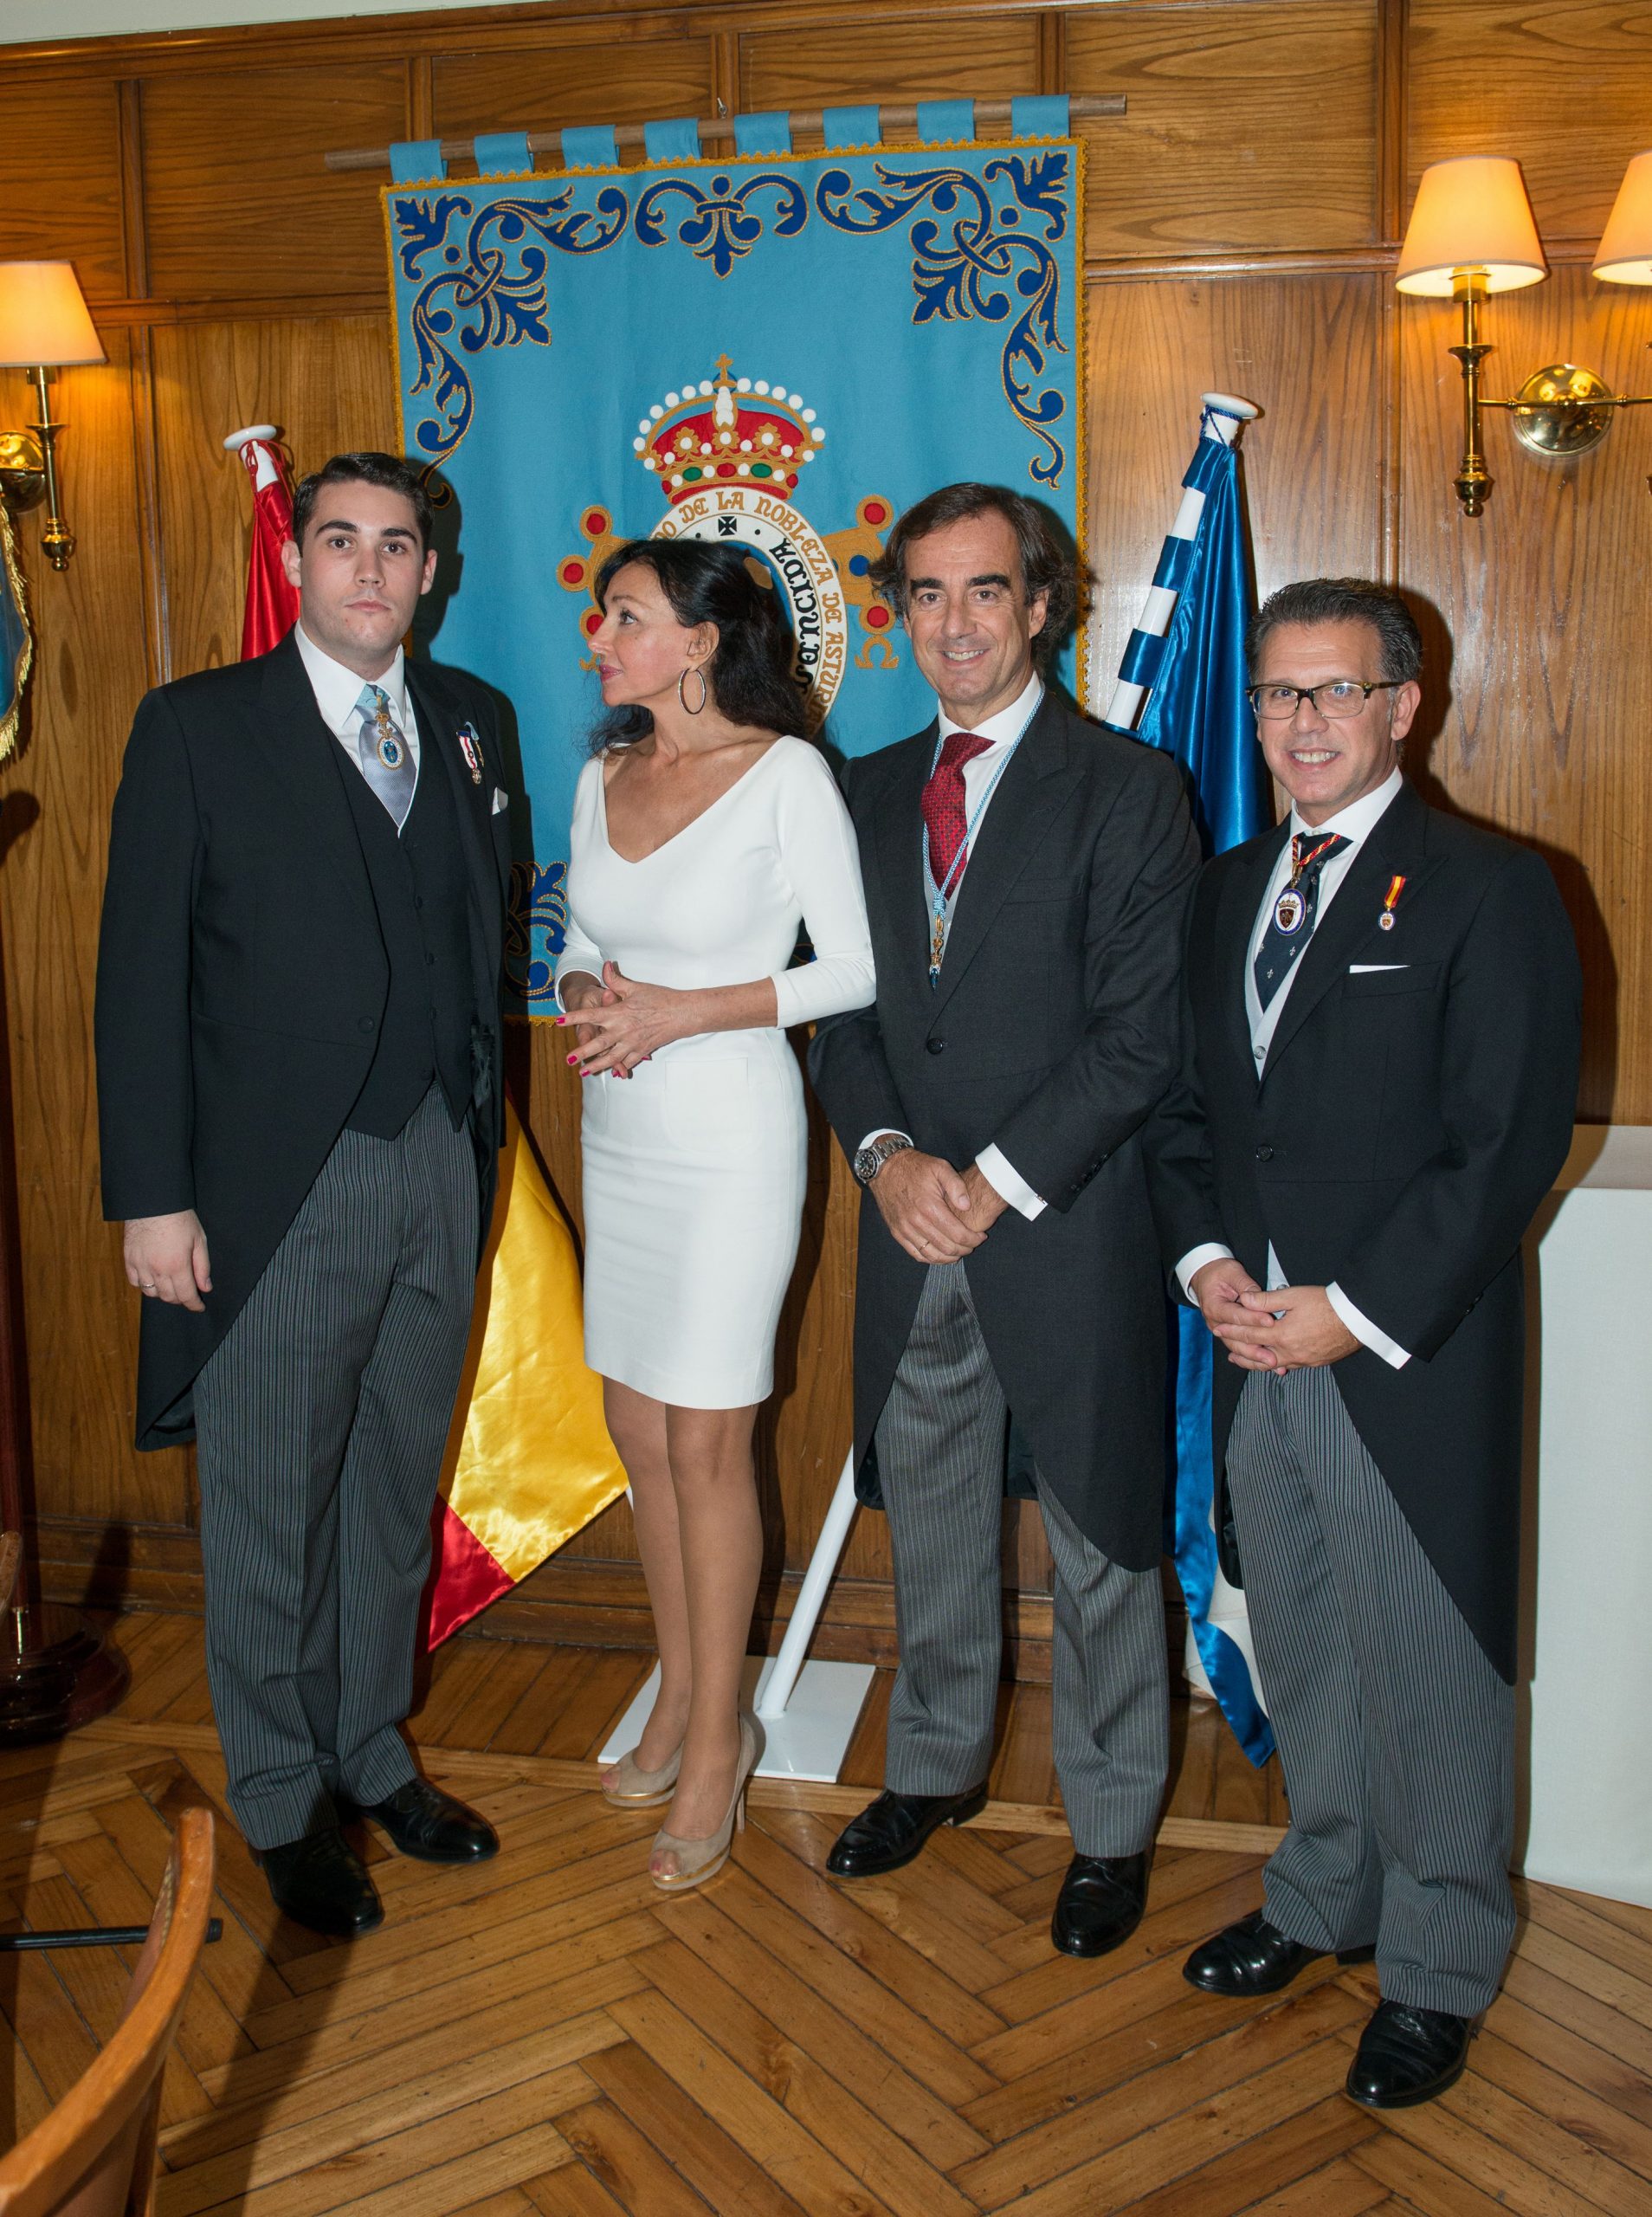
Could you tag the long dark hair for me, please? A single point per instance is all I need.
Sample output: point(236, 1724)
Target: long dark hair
point(749, 677)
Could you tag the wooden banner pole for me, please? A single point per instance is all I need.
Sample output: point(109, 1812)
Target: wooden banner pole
point(897, 119)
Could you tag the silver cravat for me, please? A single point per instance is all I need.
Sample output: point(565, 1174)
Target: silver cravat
point(386, 758)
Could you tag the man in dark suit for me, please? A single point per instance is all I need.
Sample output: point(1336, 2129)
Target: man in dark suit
point(298, 1085)
point(1026, 878)
point(1381, 1039)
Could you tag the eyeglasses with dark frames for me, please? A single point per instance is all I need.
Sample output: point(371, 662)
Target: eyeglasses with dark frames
point(1338, 696)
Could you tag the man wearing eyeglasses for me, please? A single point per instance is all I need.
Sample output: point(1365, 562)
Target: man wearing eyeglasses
point(1381, 1021)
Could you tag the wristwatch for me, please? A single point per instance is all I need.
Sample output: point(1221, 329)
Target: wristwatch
point(872, 1157)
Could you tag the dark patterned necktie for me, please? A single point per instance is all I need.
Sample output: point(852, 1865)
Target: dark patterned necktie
point(945, 813)
point(385, 757)
point(1298, 901)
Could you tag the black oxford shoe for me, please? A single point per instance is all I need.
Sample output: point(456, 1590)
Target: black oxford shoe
point(1100, 1904)
point(320, 1883)
point(1407, 2056)
point(1254, 1957)
point(892, 1829)
point(423, 1821)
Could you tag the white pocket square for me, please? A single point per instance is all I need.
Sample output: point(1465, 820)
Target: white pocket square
point(1365, 969)
point(501, 799)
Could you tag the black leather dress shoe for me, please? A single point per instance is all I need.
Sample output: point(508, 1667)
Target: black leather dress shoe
point(1254, 1957)
point(892, 1829)
point(423, 1821)
point(319, 1882)
point(1407, 2056)
point(1100, 1904)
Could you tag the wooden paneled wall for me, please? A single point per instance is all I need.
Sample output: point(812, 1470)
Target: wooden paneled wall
point(1242, 220)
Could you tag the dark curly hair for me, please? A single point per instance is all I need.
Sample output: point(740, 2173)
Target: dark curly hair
point(1048, 563)
point(750, 675)
point(387, 471)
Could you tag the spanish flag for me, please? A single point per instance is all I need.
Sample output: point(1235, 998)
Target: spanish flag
point(529, 1460)
point(533, 1461)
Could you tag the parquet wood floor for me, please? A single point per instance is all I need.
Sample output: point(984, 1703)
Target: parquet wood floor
point(546, 2034)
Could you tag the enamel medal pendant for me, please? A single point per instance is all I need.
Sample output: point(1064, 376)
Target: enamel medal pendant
point(386, 744)
point(470, 748)
point(1289, 910)
point(1385, 921)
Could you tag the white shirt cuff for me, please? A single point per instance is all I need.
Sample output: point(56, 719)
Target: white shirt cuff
point(573, 970)
point(1368, 1334)
point(1194, 1260)
point(1008, 1183)
point(883, 1132)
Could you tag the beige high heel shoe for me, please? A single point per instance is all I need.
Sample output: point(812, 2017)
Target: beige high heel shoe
point(636, 1788)
point(700, 1859)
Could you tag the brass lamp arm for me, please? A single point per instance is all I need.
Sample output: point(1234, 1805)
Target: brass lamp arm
point(28, 471)
point(1571, 400)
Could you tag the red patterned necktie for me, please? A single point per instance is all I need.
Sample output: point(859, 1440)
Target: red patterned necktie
point(945, 813)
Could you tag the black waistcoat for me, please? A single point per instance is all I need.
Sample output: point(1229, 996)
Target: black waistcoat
point(420, 891)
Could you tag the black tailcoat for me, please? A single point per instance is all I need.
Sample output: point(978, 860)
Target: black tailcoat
point(242, 975)
point(1052, 1034)
point(1407, 1123)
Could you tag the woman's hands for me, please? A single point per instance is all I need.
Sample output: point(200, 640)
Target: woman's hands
point(581, 991)
point(620, 1022)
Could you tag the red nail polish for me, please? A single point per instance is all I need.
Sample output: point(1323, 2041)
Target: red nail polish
point(573, 1059)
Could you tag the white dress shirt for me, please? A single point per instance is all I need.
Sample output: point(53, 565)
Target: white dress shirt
point(1355, 823)
point(981, 775)
point(338, 695)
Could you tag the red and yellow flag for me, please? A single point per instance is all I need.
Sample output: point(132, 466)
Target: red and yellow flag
point(529, 1460)
point(533, 1461)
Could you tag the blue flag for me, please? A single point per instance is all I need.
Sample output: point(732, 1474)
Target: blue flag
point(1182, 687)
point(16, 647)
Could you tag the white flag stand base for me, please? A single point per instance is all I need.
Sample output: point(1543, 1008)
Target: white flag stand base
point(809, 1738)
point(808, 1711)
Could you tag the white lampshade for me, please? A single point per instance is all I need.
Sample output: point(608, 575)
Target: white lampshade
point(43, 317)
point(1470, 214)
point(1625, 252)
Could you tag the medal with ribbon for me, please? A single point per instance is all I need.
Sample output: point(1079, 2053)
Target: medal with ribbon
point(943, 895)
point(470, 748)
point(1292, 906)
point(1396, 887)
point(386, 740)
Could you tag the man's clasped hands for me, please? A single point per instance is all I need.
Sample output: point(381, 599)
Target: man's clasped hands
point(1289, 1327)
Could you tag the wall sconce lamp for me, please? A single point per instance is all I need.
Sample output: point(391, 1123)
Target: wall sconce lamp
point(43, 326)
point(1471, 234)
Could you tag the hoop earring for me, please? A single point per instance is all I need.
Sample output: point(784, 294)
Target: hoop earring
point(705, 691)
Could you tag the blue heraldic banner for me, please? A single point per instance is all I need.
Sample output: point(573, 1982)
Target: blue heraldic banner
point(781, 350)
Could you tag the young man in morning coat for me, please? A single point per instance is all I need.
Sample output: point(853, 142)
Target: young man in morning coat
point(300, 1096)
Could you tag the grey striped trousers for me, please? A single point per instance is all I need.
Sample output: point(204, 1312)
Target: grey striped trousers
point(1396, 1734)
point(940, 1463)
point(321, 1420)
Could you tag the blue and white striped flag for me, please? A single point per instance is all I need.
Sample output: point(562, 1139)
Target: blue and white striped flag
point(1181, 687)
point(16, 647)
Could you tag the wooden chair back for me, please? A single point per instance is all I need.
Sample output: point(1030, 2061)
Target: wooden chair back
point(94, 2155)
point(11, 1558)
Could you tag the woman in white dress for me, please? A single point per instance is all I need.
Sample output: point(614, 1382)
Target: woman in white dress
point(704, 835)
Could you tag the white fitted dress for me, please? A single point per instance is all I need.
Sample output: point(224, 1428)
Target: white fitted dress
point(694, 1165)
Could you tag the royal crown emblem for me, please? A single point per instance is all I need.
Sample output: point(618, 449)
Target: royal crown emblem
point(732, 456)
point(752, 430)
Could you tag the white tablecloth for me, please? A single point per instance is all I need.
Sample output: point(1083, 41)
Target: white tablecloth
point(1586, 1655)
